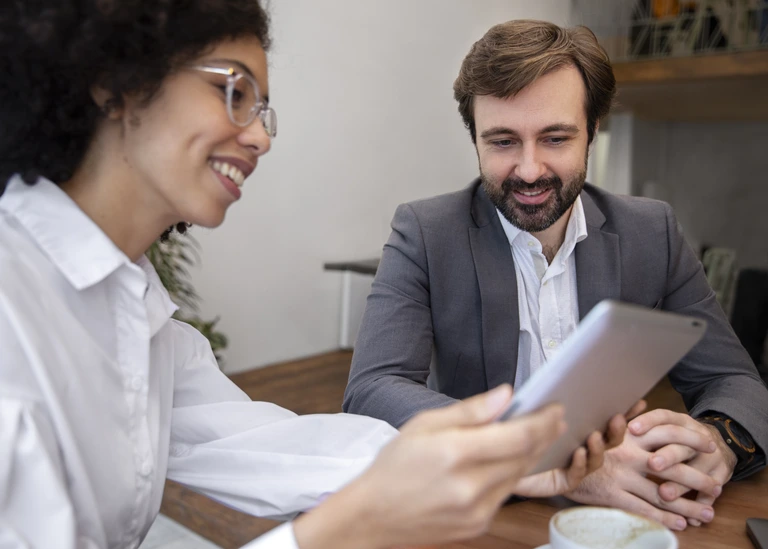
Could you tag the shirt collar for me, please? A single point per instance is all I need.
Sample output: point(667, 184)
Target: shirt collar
point(575, 231)
point(70, 239)
point(159, 305)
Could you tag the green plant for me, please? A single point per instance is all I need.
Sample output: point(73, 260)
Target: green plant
point(172, 258)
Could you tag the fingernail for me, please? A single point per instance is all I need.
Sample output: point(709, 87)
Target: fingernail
point(680, 524)
point(712, 446)
point(498, 397)
point(657, 461)
point(717, 491)
point(695, 523)
point(707, 514)
point(635, 426)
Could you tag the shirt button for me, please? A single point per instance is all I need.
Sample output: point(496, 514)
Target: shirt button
point(546, 282)
point(552, 344)
point(146, 469)
point(531, 244)
point(137, 383)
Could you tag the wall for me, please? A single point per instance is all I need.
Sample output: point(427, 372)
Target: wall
point(363, 92)
point(715, 177)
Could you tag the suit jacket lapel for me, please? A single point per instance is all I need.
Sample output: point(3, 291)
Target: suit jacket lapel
point(598, 263)
point(496, 278)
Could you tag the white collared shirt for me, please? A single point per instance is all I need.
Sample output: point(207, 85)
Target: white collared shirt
point(102, 395)
point(548, 305)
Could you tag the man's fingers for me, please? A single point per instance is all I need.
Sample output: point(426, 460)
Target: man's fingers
point(637, 409)
point(477, 410)
point(704, 500)
point(690, 477)
point(648, 491)
point(634, 504)
point(579, 467)
point(596, 452)
point(670, 455)
point(672, 490)
point(647, 421)
point(614, 435)
point(662, 435)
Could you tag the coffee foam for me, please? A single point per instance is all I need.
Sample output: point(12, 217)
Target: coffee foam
point(610, 529)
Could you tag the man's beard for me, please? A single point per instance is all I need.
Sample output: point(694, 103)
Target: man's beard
point(534, 218)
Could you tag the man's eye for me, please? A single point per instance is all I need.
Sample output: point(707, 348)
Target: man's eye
point(502, 143)
point(556, 140)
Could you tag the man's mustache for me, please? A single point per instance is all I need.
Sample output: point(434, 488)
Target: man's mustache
point(519, 185)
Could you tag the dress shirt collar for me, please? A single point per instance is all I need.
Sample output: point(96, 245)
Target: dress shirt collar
point(78, 247)
point(70, 239)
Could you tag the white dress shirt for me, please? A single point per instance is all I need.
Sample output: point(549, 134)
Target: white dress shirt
point(103, 395)
point(547, 297)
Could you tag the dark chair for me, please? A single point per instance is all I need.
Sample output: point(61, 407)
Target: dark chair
point(750, 315)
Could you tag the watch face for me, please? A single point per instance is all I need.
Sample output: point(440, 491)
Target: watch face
point(739, 434)
point(736, 437)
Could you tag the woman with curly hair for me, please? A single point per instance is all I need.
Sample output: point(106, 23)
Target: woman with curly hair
point(119, 120)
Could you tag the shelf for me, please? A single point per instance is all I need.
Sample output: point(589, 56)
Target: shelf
point(722, 87)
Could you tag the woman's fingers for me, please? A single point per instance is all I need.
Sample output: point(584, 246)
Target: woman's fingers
point(477, 410)
point(525, 436)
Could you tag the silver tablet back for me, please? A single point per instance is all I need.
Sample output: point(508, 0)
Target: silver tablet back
point(616, 355)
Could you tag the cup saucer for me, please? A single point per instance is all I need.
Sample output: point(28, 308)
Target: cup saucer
point(543, 546)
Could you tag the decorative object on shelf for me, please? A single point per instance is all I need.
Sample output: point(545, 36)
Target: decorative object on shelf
point(641, 29)
point(172, 258)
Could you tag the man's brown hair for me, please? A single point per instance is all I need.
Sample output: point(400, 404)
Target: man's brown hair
point(512, 55)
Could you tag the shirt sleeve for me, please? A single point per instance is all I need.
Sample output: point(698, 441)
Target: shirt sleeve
point(279, 538)
point(35, 508)
point(255, 456)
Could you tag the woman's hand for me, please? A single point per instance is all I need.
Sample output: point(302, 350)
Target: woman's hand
point(442, 479)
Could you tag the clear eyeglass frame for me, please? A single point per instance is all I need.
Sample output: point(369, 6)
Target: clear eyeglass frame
point(259, 108)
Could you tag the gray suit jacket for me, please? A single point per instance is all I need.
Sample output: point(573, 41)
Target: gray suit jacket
point(446, 286)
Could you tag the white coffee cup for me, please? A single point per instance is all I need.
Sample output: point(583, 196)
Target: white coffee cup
point(604, 528)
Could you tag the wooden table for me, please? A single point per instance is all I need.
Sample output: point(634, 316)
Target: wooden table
point(525, 525)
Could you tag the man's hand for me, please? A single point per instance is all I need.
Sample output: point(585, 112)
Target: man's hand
point(622, 481)
point(680, 463)
point(586, 459)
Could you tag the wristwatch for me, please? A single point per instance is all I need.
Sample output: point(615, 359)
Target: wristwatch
point(737, 439)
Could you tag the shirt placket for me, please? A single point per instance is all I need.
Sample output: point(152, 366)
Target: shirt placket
point(549, 312)
point(133, 357)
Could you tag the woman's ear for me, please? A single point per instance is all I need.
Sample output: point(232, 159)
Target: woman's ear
point(106, 102)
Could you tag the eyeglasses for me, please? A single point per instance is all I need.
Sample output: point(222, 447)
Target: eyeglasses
point(244, 102)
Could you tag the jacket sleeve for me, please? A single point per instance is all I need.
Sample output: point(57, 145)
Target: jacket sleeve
point(393, 350)
point(717, 374)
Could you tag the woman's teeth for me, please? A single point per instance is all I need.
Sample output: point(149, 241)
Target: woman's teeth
point(228, 170)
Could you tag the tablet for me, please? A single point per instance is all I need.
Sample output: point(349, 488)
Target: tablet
point(615, 356)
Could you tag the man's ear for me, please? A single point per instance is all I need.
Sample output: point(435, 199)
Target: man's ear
point(106, 102)
point(594, 138)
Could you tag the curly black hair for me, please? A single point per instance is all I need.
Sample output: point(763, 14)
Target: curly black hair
point(55, 51)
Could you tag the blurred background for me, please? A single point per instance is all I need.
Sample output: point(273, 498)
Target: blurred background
point(363, 91)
